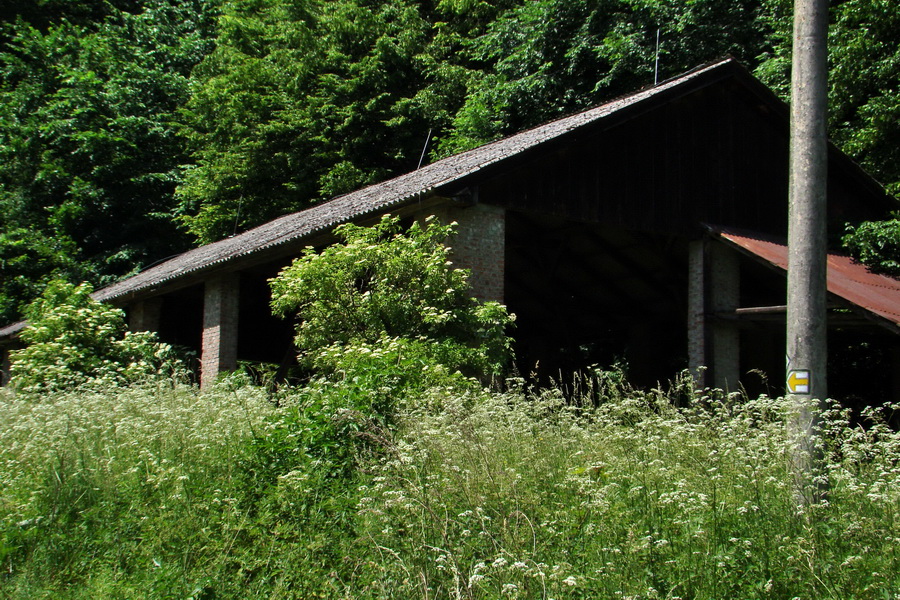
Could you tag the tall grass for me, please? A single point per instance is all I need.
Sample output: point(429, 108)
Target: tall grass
point(508, 496)
point(164, 492)
point(121, 492)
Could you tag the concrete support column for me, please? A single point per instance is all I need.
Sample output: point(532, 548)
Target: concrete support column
point(145, 315)
point(713, 287)
point(724, 297)
point(220, 328)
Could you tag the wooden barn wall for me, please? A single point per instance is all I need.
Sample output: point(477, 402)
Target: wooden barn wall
point(713, 156)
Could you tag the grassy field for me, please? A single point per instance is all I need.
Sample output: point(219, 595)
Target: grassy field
point(160, 491)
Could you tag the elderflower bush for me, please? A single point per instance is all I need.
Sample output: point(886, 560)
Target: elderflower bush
point(72, 339)
point(381, 286)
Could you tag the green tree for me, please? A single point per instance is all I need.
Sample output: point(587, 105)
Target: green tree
point(865, 86)
point(544, 58)
point(384, 317)
point(864, 68)
point(29, 261)
point(380, 285)
point(72, 339)
point(89, 155)
point(876, 244)
point(301, 101)
point(864, 103)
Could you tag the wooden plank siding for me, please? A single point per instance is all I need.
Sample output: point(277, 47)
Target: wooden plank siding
point(708, 157)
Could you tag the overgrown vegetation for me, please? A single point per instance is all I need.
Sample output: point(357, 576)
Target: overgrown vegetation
point(73, 340)
point(392, 472)
point(392, 292)
point(155, 492)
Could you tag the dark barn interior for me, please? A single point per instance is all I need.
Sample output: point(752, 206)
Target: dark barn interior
point(585, 295)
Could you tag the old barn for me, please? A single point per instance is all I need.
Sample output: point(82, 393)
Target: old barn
point(649, 230)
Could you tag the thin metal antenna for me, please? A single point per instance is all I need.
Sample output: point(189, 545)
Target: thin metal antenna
point(237, 217)
point(424, 148)
point(656, 66)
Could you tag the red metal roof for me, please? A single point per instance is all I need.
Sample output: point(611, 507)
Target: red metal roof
point(877, 294)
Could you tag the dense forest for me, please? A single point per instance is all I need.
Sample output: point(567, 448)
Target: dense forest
point(132, 129)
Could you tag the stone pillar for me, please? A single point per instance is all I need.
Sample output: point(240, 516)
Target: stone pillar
point(220, 328)
point(144, 315)
point(724, 297)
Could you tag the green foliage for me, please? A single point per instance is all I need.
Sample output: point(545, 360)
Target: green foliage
point(73, 339)
point(216, 116)
point(864, 99)
point(165, 492)
point(87, 136)
point(384, 290)
point(124, 492)
point(542, 59)
point(301, 101)
point(29, 261)
point(383, 317)
point(527, 497)
point(876, 244)
point(864, 67)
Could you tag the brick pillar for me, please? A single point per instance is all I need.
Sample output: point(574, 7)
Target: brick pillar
point(724, 297)
point(4, 365)
point(713, 287)
point(696, 319)
point(480, 246)
point(220, 324)
point(144, 315)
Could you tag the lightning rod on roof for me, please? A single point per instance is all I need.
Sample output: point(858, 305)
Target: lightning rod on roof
point(656, 65)
point(424, 148)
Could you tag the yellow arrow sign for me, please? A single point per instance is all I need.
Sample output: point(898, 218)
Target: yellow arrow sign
point(798, 382)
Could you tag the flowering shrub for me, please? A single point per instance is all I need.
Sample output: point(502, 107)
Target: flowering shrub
point(73, 339)
point(381, 284)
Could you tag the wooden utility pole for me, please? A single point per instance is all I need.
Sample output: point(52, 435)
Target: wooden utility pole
point(807, 255)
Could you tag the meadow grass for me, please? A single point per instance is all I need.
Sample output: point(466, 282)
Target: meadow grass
point(531, 497)
point(146, 492)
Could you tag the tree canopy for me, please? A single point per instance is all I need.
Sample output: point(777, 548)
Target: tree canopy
point(89, 147)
